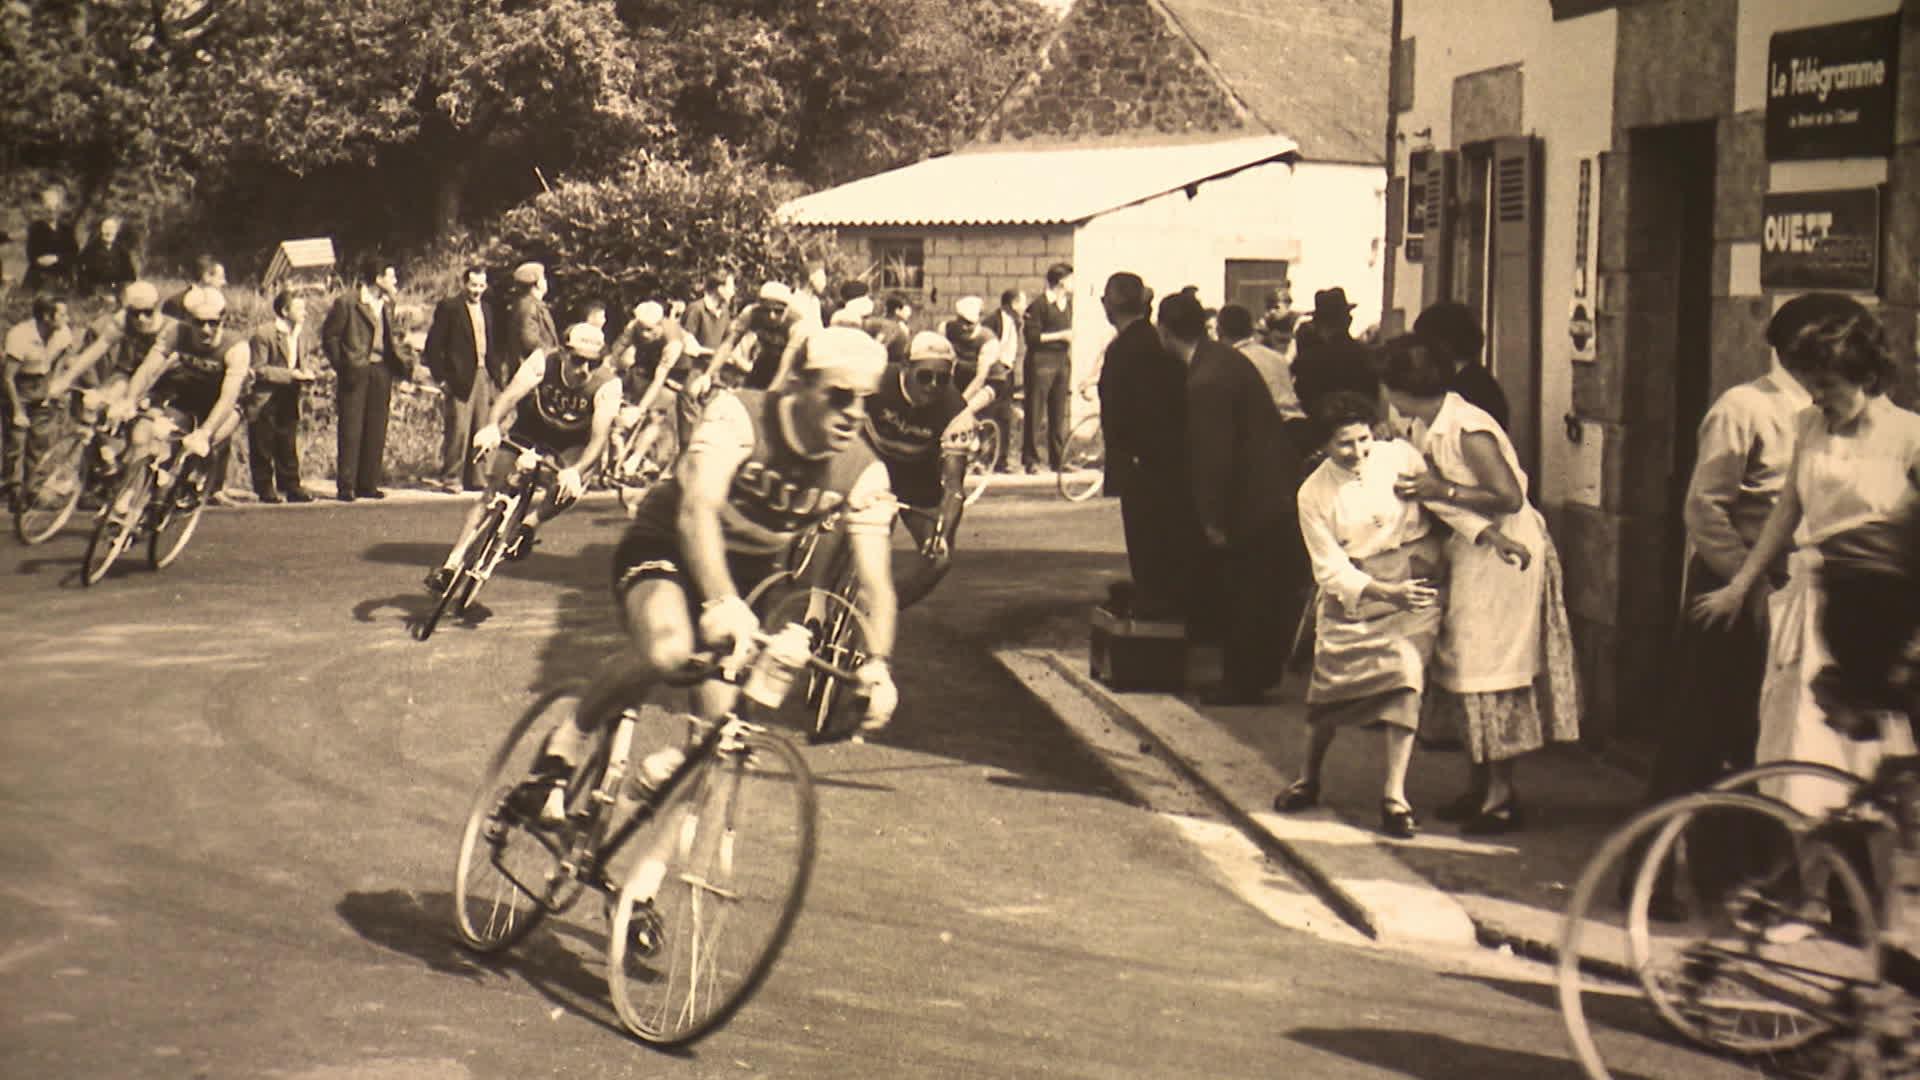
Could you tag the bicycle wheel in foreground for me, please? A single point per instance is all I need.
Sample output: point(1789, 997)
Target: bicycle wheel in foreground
point(509, 868)
point(114, 529)
point(1740, 921)
point(1083, 466)
point(174, 524)
point(723, 879)
point(55, 492)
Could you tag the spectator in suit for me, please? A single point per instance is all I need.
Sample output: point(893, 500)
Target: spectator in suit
point(1243, 472)
point(529, 320)
point(895, 331)
point(1143, 410)
point(1451, 331)
point(281, 369)
point(1236, 329)
point(358, 340)
point(107, 263)
point(462, 354)
point(1326, 356)
point(52, 251)
point(1049, 332)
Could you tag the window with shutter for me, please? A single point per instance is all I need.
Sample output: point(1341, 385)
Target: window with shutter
point(1513, 288)
point(1437, 209)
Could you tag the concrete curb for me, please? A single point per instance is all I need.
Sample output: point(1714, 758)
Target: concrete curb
point(1350, 868)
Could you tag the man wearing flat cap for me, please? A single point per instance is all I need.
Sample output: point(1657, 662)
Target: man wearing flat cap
point(530, 323)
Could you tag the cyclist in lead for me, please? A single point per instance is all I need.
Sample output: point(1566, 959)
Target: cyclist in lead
point(561, 403)
point(760, 467)
point(194, 373)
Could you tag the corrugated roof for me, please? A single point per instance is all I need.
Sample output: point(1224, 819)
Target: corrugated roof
point(992, 186)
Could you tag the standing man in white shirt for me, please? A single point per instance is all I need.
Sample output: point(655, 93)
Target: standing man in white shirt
point(463, 356)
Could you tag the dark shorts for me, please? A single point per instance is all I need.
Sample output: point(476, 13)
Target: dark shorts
point(644, 557)
point(916, 481)
point(191, 399)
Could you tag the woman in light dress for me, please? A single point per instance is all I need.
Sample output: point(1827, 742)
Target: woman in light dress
point(1503, 672)
point(1380, 570)
point(1856, 468)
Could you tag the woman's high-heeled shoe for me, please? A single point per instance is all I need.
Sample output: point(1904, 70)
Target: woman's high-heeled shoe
point(1495, 820)
point(1300, 795)
point(1397, 820)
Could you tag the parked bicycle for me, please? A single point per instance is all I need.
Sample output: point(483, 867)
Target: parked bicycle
point(499, 530)
point(1083, 466)
point(161, 501)
point(701, 913)
point(80, 463)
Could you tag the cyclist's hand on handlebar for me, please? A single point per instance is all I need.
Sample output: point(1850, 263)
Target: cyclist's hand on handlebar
point(876, 685)
point(571, 486)
point(487, 438)
point(728, 621)
point(958, 434)
point(196, 444)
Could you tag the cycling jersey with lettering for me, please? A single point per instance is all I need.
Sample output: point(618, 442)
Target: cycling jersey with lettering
point(194, 373)
point(557, 414)
point(902, 431)
point(776, 491)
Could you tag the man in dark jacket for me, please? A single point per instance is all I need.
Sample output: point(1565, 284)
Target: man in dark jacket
point(358, 340)
point(1143, 413)
point(1242, 471)
point(464, 356)
point(529, 320)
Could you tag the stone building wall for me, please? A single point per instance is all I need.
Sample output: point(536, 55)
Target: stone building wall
point(1117, 67)
point(978, 260)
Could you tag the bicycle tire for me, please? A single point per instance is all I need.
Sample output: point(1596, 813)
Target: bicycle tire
point(1678, 993)
point(461, 584)
point(112, 537)
point(173, 528)
point(837, 645)
point(707, 897)
point(1083, 463)
point(494, 906)
point(47, 508)
point(981, 459)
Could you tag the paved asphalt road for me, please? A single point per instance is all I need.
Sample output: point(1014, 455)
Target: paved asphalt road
point(233, 791)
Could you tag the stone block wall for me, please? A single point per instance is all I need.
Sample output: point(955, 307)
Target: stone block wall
point(1116, 67)
point(972, 260)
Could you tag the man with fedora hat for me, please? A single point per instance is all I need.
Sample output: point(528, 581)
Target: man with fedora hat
point(529, 322)
point(1326, 356)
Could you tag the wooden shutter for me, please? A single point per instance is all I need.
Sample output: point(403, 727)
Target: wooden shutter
point(1437, 215)
point(1514, 250)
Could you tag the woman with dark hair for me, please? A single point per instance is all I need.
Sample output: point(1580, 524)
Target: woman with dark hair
point(1503, 668)
point(1854, 481)
point(1379, 568)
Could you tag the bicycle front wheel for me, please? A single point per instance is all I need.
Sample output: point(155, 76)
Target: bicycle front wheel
point(54, 493)
point(174, 526)
point(1742, 923)
point(703, 915)
point(461, 585)
point(1083, 466)
point(987, 437)
point(113, 531)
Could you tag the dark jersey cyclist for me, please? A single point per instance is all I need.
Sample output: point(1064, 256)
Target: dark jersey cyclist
point(761, 466)
point(561, 403)
point(194, 373)
point(921, 425)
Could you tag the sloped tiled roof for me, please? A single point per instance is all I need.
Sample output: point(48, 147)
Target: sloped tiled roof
point(1313, 70)
point(1037, 186)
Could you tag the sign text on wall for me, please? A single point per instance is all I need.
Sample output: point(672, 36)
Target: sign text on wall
point(1830, 90)
point(1821, 240)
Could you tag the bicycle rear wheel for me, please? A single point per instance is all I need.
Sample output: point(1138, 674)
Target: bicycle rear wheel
point(114, 529)
point(175, 524)
point(509, 873)
point(722, 883)
point(1083, 465)
point(1754, 947)
point(52, 496)
point(980, 461)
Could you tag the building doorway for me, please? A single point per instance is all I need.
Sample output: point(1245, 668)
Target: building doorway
point(1250, 281)
point(1670, 257)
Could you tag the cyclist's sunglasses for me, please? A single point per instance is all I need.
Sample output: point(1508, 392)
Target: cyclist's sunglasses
point(140, 312)
point(208, 324)
point(930, 378)
point(843, 398)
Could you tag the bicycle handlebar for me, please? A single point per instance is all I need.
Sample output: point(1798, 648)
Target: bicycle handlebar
point(709, 664)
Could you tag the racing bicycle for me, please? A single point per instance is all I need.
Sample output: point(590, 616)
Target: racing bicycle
point(80, 461)
point(638, 458)
point(701, 911)
point(160, 501)
point(500, 529)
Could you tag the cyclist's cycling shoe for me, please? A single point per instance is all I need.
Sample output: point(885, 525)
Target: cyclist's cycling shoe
point(522, 546)
point(542, 796)
point(438, 579)
point(186, 494)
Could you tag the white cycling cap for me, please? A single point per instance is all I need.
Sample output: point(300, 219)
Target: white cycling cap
point(586, 339)
point(845, 357)
point(648, 314)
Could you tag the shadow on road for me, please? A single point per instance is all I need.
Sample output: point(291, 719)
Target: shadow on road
point(1430, 1056)
point(420, 926)
point(1626, 1013)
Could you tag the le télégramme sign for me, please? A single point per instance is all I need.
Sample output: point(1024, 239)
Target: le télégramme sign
point(1821, 240)
point(1830, 90)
